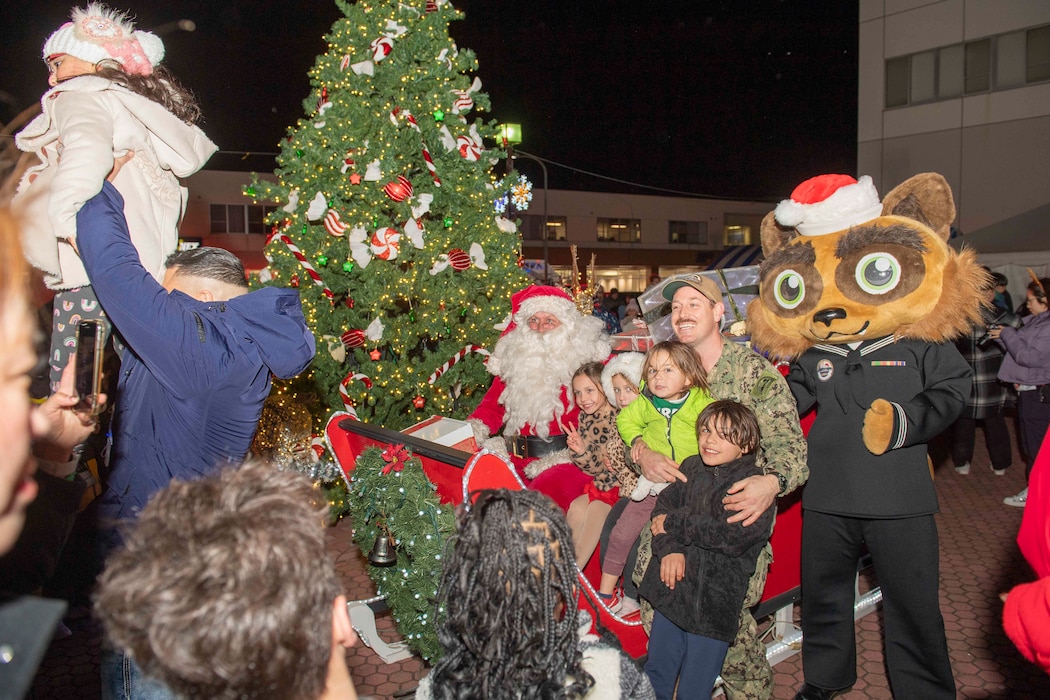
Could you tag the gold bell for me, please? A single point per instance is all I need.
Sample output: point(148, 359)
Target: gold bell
point(383, 551)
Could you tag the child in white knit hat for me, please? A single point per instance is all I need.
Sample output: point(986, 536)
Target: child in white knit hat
point(108, 98)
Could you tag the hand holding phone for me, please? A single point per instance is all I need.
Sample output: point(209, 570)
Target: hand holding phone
point(88, 366)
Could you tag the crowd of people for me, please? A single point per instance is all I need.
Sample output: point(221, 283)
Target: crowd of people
point(215, 580)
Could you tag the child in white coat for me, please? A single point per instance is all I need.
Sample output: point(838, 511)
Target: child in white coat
point(108, 97)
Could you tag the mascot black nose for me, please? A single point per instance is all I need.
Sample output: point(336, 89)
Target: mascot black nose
point(828, 315)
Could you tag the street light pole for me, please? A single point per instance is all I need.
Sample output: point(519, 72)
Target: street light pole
point(511, 134)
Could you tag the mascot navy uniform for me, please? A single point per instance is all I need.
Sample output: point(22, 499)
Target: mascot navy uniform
point(863, 296)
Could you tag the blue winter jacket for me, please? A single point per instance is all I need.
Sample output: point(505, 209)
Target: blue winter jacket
point(194, 378)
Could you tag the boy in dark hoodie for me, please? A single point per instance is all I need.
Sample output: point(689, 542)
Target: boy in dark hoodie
point(698, 586)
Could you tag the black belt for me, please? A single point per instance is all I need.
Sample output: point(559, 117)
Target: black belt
point(531, 447)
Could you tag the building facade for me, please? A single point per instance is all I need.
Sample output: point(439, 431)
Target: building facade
point(962, 88)
point(632, 237)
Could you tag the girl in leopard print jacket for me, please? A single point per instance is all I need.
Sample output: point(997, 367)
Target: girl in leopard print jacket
point(598, 450)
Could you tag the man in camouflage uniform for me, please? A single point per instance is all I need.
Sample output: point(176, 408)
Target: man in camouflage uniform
point(736, 372)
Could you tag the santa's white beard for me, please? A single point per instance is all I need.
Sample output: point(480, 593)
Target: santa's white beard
point(536, 366)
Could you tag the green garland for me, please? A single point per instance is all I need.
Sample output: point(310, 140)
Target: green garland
point(389, 487)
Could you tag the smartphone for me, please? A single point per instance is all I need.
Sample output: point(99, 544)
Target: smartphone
point(88, 366)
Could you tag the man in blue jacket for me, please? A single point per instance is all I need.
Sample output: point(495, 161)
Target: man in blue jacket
point(200, 353)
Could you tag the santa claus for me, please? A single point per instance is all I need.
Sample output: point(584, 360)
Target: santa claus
point(530, 399)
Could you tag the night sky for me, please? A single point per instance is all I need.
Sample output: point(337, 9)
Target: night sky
point(741, 98)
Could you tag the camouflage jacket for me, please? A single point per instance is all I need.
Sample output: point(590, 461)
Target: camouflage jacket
point(748, 378)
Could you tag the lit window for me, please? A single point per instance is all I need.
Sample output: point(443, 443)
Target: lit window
point(622, 230)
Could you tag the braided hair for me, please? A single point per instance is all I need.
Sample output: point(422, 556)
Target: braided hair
point(509, 627)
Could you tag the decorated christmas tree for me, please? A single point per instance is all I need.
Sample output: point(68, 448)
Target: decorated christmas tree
point(389, 216)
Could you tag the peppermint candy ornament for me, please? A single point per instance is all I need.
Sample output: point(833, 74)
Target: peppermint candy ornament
point(386, 243)
point(467, 148)
point(381, 48)
point(334, 224)
point(458, 260)
point(399, 190)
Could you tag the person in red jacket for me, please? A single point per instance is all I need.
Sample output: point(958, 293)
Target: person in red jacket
point(530, 398)
point(1026, 614)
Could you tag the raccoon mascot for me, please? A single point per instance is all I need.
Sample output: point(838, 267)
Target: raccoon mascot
point(862, 295)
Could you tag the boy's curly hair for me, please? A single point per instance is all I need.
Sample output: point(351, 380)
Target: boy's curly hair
point(225, 587)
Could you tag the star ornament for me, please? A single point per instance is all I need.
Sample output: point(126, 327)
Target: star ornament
point(375, 355)
point(355, 179)
point(419, 402)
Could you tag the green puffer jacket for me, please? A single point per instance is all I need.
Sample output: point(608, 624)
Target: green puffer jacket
point(674, 438)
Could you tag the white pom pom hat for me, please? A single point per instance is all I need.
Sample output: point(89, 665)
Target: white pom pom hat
point(629, 364)
point(97, 33)
point(829, 203)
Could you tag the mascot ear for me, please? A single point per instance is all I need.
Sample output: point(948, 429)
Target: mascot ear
point(926, 198)
point(774, 235)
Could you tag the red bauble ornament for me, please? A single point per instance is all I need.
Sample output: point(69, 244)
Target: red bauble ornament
point(458, 259)
point(419, 402)
point(400, 190)
point(349, 302)
point(353, 339)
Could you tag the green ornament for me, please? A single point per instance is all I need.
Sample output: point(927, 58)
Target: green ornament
point(304, 229)
point(322, 260)
point(439, 116)
point(298, 153)
point(412, 317)
point(463, 313)
point(348, 266)
point(448, 222)
point(250, 191)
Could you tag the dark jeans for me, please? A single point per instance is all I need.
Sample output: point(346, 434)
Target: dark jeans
point(996, 438)
point(1034, 418)
point(676, 655)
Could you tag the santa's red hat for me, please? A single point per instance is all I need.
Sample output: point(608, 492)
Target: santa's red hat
point(829, 203)
point(553, 300)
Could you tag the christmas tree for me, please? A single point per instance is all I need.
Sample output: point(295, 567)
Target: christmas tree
point(387, 218)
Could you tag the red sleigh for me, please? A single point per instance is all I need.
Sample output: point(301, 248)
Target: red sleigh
point(456, 474)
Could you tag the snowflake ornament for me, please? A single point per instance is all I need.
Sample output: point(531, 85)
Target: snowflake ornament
point(521, 193)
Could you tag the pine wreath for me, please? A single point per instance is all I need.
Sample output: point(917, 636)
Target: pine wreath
point(390, 490)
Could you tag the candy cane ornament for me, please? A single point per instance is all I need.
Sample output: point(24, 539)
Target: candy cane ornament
point(344, 394)
point(427, 158)
point(305, 263)
point(456, 358)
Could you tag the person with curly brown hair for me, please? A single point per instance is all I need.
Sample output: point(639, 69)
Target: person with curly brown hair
point(225, 589)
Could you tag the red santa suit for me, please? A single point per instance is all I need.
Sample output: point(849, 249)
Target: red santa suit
point(530, 397)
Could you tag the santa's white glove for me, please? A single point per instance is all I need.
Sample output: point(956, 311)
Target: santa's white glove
point(481, 431)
